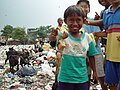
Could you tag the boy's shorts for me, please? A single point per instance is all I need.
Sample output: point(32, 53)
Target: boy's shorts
point(112, 73)
point(99, 62)
point(73, 86)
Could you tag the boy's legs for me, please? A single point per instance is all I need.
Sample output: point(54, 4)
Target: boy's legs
point(99, 61)
point(101, 80)
point(112, 71)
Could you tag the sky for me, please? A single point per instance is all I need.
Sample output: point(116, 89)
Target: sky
point(35, 13)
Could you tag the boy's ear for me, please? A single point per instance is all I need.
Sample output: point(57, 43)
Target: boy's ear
point(65, 21)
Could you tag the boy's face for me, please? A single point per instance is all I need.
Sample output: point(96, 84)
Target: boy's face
point(74, 23)
point(114, 1)
point(85, 8)
point(60, 22)
point(103, 2)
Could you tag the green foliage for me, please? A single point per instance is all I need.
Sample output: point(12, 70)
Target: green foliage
point(19, 33)
point(43, 31)
point(7, 30)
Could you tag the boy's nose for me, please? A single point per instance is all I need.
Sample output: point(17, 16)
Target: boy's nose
point(75, 22)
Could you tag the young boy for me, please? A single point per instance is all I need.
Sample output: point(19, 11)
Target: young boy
point(61, 28)
point(111, 22)
point(105, 4)
point(99, 60)
point(73, 70)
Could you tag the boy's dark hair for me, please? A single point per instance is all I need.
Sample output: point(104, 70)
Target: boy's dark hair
point(86, 1)
point(73, 10)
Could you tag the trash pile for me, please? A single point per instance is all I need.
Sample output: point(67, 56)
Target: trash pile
point(39, 75)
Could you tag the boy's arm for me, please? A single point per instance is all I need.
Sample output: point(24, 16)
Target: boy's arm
point(53, 34)
point(93, 22)
point(92, 62)
point(58, 62)
point(100, 34)
point(52, 37)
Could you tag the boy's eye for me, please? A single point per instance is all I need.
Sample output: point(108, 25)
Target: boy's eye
point(76, 20)
point(71, 20)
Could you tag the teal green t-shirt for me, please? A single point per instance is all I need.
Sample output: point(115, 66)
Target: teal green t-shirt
point(73, 67)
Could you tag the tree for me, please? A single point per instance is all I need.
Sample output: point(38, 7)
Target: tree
point(19, 33)
point(43, 31)
point(7, 31)
point(48, 29)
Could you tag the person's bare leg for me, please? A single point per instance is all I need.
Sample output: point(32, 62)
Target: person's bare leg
point(113, 87)
point(103, 86)
point(89, 77)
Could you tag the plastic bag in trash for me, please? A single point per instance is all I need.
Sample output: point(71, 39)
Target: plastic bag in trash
point(27, 70)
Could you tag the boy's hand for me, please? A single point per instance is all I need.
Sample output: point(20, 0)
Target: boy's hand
point(85, 21)
point(118, 38)
point(64, 35)
point(61, 44)
point(55, 31)
point(53, 34)
point(97, 17)
point(95, 76)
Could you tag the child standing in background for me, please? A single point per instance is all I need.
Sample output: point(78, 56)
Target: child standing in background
point(111, 23)
point(99, 60)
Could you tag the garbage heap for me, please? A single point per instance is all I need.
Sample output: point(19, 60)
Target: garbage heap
point(39, 75)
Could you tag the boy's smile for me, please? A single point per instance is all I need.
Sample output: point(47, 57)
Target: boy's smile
point(74, 23)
